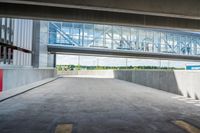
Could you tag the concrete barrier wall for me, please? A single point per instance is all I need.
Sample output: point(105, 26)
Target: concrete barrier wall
point(182, 82)
point(16, 77)
point(98, 73)
point(186, 83)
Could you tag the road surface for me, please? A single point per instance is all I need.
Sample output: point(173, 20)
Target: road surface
point(97, 105)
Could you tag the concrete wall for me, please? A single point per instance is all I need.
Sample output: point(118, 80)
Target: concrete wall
point(97, 73)
point(181, 82)
point(186, 83)
point(16, 77)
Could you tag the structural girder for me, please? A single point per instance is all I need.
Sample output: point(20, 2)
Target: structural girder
point(60, 49)
point(155, 13)
point(171, 8)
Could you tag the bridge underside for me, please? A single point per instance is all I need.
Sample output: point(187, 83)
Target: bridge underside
point(100, 15)
point(60, 49)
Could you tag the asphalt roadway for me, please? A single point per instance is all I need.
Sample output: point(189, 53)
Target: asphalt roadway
point(97, 105)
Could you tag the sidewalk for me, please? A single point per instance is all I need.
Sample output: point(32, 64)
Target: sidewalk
point(20, 90)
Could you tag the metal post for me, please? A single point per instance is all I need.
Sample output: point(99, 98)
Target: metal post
point(4, 55)
point(160, 64)
point(159, 45)
point(93, 35)
point(104, 38)
point(112, 37)
point(10, 32)
point(0, 53)
point(78, 60)
point(126, 63)
point(1, 27)
point(9, 56)
point(54, 60)
point(83, 30)
point(5, 31)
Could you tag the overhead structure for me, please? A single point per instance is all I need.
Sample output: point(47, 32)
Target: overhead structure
point(67, 37)
point(149, 13)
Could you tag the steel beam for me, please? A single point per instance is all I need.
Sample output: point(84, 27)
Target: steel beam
point(118, 53)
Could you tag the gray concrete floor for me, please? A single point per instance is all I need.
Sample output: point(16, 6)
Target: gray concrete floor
point(95, 105)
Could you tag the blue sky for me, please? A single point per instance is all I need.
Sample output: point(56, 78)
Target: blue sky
point(108, 61)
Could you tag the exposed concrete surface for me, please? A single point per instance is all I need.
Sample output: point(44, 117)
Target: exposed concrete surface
point(20, 90)
point(102, 16)
point(96, 106)
point(181, 82)
point(90, 73)
point(16, 77)
point(148, 7)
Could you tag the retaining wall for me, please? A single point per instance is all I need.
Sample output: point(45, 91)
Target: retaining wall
point(182, 82)
point(16, 77)
point(97, 73)
point(186, 83)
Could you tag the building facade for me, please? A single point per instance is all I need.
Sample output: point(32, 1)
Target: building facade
point(23, 53)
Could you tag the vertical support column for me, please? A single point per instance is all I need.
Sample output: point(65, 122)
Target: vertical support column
point(137, 39)
point(195, 47)
point(112, 43)
point(9, 50)
point(54, 60)
point(9, 56)
point(153, 42)
point(160, 43)
point(1, 80)
point(36, 43)
point(173, 45)
point(1, 27)
point(10, 32)
point(104, 37)
point(93, 35)
point(4, 55)
point(130, 39)
point(166, 43)
point(83, 34)
point(5, 31)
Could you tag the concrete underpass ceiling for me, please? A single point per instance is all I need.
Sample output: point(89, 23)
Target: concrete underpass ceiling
point(171, 8)
point(146, 13)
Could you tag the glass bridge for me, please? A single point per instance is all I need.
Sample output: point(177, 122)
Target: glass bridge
point(122, 38)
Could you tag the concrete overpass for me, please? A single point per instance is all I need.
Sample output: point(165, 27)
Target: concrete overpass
point(150, 13)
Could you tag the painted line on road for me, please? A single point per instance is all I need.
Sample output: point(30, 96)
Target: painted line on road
point(64, 128)
point(186, 126)
point(29, 89)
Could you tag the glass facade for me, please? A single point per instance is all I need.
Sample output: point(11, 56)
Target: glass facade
point(123, 38)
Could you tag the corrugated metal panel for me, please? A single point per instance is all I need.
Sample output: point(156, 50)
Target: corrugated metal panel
point(23, 38)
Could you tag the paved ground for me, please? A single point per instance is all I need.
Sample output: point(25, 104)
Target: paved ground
point(96, 106)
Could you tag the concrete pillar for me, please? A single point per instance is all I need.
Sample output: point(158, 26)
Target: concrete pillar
point(36, 44)
point(41, 57)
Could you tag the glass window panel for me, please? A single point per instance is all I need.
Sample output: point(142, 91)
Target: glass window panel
point(98, 42)
point(117, 32)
